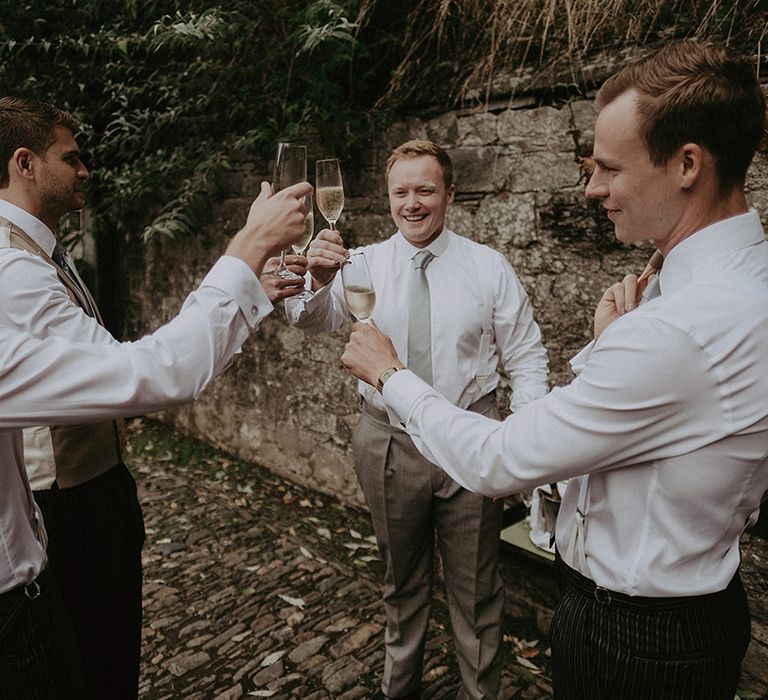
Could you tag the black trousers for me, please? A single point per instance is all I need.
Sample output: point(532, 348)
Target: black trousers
point(608, 645)
point(38, 656)
point(95, 536)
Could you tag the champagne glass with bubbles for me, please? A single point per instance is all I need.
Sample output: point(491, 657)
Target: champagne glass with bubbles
point(358, 287)
point(290, 169)
point(329, 190)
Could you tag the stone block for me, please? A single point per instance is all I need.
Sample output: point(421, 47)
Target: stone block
point(187, 661)
point(583, 114)
point(444, 130)
point(341, 675)
point(507, 222)
point(535, 130)
point(480, 129)
point(480, 169)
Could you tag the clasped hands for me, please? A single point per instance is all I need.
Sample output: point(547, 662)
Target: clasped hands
point(325, 254)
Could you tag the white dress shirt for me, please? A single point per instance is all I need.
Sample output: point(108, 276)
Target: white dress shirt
point(55, 381)
point(479, 312)
point(669, 416)
point(36, 301)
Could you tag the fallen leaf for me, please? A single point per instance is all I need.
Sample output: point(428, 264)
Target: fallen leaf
point(355, 534)
point(298, 602)
point(527, 664)
point(306, 552)
point(262, 693)
point(271, 658)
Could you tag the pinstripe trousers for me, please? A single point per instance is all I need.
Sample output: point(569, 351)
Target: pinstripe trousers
point(607, 646)
point(38, 655)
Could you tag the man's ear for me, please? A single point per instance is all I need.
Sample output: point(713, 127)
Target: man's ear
point(691, 160)
point(22, 162)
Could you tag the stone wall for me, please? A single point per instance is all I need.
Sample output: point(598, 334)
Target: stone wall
point(287, 403)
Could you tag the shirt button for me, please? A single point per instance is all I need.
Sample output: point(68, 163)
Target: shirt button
point(254, 310)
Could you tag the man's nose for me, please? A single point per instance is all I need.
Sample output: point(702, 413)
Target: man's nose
point(597, 187)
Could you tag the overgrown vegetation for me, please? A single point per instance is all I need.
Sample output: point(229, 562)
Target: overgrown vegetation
point(170, 91)
point(462, 45)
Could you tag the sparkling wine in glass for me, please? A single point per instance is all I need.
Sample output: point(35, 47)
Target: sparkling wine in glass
point(290, 169)
point(329, 190)
point(358, 287)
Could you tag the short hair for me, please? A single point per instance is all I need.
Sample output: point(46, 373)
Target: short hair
point(691, 92)
point(421, 147)
point(28, 124)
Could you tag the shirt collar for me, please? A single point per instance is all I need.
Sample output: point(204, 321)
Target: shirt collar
point(436, 247)
point(31, 225)
point(709, 244)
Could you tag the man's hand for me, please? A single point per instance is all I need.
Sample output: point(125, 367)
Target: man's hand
point(617, 300)
point(279, 288)
point(326, 253)
point(369, 352)
point(625, 295)
point(273, 223)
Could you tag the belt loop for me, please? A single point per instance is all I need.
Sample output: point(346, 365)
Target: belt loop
point(32, 590)
point(602, 595)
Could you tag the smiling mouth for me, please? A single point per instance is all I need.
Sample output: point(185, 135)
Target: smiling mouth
point(415, 218)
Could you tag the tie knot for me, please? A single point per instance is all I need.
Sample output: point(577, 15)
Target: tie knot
point(422, 259)
point(58, 254)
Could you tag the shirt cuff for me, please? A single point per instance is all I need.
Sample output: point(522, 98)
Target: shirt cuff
point(579, 360)
point(401, 394)
point(233, 276)
point(318, 297)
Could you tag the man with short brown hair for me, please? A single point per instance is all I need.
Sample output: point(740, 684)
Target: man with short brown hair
point(80, 482)
point(667, 417)
point(455, 308)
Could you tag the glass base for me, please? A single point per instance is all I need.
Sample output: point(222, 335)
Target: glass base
point(284, 273)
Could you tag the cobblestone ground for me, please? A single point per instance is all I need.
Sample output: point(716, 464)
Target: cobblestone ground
point(254, 587)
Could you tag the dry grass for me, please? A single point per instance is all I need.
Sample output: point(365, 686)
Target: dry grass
point(483, 37)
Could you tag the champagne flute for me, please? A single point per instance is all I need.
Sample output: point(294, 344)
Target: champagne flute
point(358, 287)
point(290, 169)
point(300, 246)
point(330, 189)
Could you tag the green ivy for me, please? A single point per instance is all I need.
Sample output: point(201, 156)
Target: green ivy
point(167, 91)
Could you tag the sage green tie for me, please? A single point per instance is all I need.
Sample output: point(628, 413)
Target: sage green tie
point(419, 318)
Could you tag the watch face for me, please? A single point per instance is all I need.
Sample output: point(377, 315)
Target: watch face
point(386, 374)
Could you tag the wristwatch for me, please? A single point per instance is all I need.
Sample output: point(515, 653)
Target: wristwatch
point(386, 374)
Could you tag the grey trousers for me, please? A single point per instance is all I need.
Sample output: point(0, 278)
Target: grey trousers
point(410, 501)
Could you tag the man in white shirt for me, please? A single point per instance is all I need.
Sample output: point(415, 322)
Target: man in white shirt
point(87, 495)
point(668, 415)
point(474, 310)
